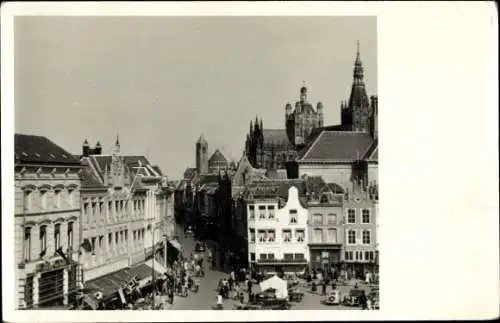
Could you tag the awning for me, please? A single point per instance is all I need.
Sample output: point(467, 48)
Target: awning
point(159, 268)
point(110, 283)
point(92, 303)
point(175, 244)
point(144, 272)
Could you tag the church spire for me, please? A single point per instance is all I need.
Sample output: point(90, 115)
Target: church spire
point(358, 66)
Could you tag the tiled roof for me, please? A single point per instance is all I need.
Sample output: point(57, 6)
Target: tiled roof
point(39, 149)
point(275, 136)
point(315, 184)
point(337, 146)
point(133, 161)
point(89, 178)
point(269, 188)
point(102, 161)
point(372, 152)
point(315, 132)
point(217, 157)
point(158, 170)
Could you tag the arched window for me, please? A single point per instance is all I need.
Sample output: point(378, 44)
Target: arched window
point(57, 198)
point(43, 199)
point(27, 200)
point(70, 235)
point(57, 236)
point(71, 193)
point(43, 240)
point(27, 244)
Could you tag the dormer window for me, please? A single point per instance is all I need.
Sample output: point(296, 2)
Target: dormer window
point(324, 198)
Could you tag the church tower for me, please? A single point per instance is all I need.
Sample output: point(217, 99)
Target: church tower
point(355, 113)
point(300, 122)
point(202, 155)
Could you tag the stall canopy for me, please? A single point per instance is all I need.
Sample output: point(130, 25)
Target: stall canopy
point(175, 244)
point(278, 284)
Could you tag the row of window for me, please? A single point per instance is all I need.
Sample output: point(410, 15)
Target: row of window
point(358, 255)
point(351, 216)
point(271, 256)
point(42, 239)
point(318, 236)
point(265, 212)
point(45, 195)
point(121, 239)
point(366, 236)
point(117, 208)
point(270, 235)
point(318, 219)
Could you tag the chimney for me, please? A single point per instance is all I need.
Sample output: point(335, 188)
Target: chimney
point(85, 148)
point(97, 149)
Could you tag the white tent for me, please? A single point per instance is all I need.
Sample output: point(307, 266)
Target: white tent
point(277, 283)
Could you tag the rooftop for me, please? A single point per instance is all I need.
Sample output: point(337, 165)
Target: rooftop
point(337, 146)
point(39, 149)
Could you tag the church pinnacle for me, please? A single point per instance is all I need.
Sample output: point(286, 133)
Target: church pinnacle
point(358, 66)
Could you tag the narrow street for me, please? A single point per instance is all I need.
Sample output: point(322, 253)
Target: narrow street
point(206, 296)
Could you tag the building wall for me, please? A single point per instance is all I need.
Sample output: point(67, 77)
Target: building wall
point(333, 173)
point(373, 172)
point(359, 201)
point(49, 200)
point(325, 224)
point(113, 224)
point(279, 222)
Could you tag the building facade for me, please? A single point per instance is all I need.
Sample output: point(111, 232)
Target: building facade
point(277, 233)
point(326, 237)
point(360, 228)
point(124, 213)
point(47, 223)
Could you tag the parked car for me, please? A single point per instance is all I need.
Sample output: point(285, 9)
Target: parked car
point(333, 298)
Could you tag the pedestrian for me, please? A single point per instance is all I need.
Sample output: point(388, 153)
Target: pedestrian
point(250, 286)
point(323, 290)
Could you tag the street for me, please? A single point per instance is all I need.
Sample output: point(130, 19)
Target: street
point(206, 296)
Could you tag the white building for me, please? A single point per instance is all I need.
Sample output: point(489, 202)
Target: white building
point(47, 224)
point(277, 234)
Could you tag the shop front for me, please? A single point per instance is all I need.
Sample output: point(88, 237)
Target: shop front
point(325, 257)
point(280, 266)
point(51, 285)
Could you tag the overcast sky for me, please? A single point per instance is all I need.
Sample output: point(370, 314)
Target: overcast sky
point(159, 82)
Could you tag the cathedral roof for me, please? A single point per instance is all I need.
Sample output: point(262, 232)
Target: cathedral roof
point(337, 146)
point(39, 149)
point(217, 156)
point(275, 136)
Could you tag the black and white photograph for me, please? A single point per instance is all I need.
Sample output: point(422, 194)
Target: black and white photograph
point(230, 166)
point(197, 163)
